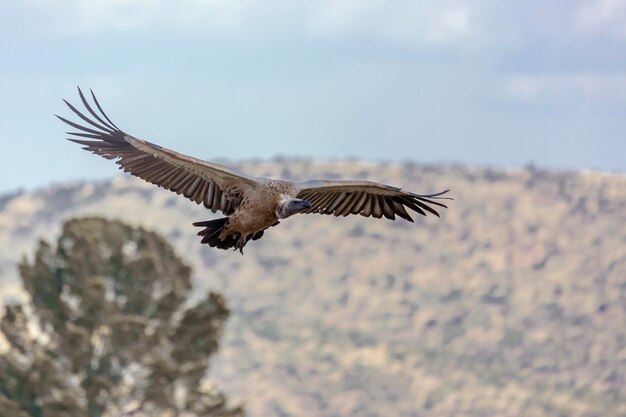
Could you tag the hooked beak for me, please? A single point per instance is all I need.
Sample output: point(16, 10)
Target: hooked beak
point(299, 205)
point(292, 207)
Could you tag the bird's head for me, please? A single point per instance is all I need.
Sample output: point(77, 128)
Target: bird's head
point(290, 206)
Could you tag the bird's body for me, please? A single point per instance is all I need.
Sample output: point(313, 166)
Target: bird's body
point(256, 211)
point(251, 204)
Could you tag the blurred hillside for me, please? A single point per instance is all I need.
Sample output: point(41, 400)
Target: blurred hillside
point(513, 303)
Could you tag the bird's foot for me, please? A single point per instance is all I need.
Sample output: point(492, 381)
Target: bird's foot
point(241, 242)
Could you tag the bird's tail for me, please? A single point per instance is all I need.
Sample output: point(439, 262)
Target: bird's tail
point(213, 229)
point(211, 233)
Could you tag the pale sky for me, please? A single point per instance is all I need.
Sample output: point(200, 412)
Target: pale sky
point(486, 82)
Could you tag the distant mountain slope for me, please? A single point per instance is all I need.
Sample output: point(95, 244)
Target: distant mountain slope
point(512, 304)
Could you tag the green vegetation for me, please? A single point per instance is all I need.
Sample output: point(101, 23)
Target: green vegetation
point(109, 330)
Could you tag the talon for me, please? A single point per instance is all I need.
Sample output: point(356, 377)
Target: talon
point(241, 242)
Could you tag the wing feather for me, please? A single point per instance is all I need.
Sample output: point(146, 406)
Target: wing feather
point(360, 205)
point(191, 190)
point(182, 174)
point(335, 203)
point(367, 208)
point(217, 198)
point(208, 199)
point(400, 210)
point(325, 199)
point(367, 198)
point(199, 197)
point(387, 207)
point(346, 206)
point(376, 209)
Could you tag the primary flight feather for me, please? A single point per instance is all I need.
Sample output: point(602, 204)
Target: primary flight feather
point(251, 204)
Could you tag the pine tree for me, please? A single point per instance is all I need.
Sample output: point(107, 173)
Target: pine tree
point(109, 330)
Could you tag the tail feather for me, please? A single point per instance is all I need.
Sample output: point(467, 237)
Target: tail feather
point(212, 229)
point(211, 233)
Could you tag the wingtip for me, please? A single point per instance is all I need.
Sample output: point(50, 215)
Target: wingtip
point(446, 192)
point(439, 195)
point(436, 196)
point(63, 119)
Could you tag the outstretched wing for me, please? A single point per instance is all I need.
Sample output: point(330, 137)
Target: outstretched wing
point(366, 198)
point(216, 186)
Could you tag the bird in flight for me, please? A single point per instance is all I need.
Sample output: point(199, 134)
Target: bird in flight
point(251, 204)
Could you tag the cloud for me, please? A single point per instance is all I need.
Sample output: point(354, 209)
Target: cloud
point(602, 17)
point(401, 20)
point(540, 87)
point(77, 17)
point(405, 21)
point(398, 20)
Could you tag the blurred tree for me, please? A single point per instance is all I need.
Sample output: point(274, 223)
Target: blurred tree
point(109, 330)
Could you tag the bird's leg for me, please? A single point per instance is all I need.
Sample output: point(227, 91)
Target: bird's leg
point(241, 242)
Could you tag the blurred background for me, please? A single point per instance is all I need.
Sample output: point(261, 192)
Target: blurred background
point(481, 82)
point(513, 303)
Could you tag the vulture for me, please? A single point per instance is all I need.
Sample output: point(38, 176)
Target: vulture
point(251, 204)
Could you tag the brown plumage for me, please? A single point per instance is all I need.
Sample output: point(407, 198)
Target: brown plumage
point(251, 204)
